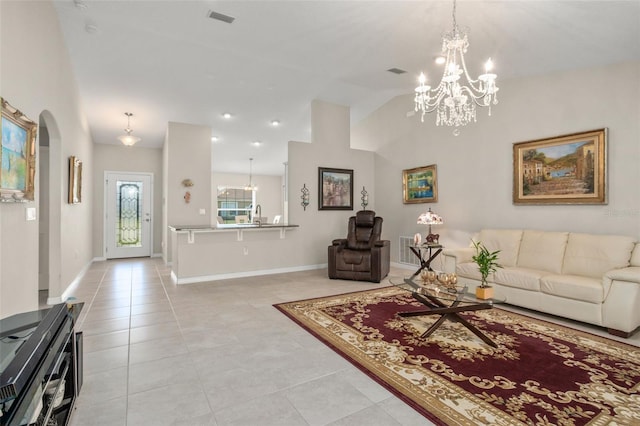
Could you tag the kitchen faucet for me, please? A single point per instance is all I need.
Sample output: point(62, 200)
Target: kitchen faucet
point(259, 214)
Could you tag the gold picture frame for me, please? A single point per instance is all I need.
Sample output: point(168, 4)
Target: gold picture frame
point(567, 169)
point(420, 185)
point(75, 180)
point(18, 158)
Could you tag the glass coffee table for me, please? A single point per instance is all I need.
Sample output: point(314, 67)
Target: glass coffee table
point(447, 302)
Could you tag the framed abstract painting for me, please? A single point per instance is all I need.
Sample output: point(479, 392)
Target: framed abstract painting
point(420, 185)
point(17, 175)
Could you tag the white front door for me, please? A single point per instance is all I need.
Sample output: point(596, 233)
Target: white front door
point(128, 202)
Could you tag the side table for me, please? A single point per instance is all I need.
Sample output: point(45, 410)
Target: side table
point(426, 253)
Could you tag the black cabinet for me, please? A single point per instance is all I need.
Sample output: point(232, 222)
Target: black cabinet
point(40, 366)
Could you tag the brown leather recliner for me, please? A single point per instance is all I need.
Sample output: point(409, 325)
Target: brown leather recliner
point(362, 256)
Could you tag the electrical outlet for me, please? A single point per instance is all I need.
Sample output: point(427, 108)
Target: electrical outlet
point(30, 213)
point(203, 212)
point(245, 250)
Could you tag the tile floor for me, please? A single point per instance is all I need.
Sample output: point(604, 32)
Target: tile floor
point(217, 353)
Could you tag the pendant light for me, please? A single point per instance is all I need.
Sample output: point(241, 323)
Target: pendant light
point(128, 139)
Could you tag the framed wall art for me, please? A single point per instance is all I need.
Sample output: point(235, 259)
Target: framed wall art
point(568, 169)
point(17, 176)
point(75, 180)
point(335, 189)
point(420, 185)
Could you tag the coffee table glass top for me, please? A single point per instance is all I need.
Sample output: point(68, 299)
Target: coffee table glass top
point(449, 293)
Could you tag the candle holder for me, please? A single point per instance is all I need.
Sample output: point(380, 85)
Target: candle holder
point(305, 196)
point(364, 198)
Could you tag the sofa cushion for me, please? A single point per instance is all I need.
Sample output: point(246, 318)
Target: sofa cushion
point(592, 255)
point(470, 270)
point(528, 279)
point(542, 250)
point(635, 256)
point(575, 287)
point(505, 240)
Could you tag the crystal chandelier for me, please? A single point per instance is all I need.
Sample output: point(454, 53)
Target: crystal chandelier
point(454, 102)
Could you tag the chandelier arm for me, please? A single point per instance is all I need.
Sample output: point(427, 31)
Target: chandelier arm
point(470, 80)
point(473, 95)
point(435, 100)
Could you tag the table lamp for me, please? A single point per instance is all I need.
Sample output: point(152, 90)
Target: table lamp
point(430, 218)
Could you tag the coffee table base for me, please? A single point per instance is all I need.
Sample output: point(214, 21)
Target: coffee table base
point(450, 313)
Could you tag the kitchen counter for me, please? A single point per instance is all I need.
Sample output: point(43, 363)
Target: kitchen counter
point(208, 253)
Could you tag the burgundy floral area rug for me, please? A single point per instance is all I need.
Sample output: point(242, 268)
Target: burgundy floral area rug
point(541, 373)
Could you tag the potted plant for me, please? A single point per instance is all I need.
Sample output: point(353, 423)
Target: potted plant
point(487, 263)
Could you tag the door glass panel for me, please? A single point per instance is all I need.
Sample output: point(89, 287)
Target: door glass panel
point(128, 229)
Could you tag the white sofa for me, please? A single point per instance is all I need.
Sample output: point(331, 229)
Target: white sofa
point(585, 277)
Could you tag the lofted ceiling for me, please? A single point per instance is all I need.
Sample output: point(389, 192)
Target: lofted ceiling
point(168, 61)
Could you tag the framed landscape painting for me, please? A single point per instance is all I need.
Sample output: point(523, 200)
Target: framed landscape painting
point(420, 185)
point(335, 189)
point(568, 169)
point(17, 175)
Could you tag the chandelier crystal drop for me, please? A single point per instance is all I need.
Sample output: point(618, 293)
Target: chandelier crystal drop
point(128, 139)
point(454, 100)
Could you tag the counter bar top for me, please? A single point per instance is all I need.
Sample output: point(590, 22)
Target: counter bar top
point(233, 226)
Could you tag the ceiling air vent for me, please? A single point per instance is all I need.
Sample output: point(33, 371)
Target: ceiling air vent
point(220, 17)
point(396, 70)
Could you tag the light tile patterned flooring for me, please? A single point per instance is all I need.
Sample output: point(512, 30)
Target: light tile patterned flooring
point(217, 353)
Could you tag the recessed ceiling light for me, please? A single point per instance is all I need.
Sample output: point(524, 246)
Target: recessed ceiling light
point(227, 115)
point(275, 123)
point(256, 143)
point(214, 139)
point(440, 60)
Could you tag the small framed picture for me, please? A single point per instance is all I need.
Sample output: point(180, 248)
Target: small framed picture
point(75, 180)
point(420, 185)
point(335, 189)
point(568, 169)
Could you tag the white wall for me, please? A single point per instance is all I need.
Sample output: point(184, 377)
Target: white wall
point(120, 158)
point(186, 155)
point(475, 169)
point(269, 194)
point(329, 147)
point(36, 77)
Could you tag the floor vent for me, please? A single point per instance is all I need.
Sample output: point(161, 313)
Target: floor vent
point(406, 256)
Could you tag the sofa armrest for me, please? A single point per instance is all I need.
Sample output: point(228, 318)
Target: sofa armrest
point(630, 274)
point(621, 307)
point(454, 257)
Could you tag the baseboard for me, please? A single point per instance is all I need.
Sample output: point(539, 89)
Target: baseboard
point(404, 266)
point(156, 255)
point(99, 259)
point(66, 293)
point(231, 275)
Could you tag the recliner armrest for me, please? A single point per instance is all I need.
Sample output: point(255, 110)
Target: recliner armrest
point(381, 243)
point(339, 242)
